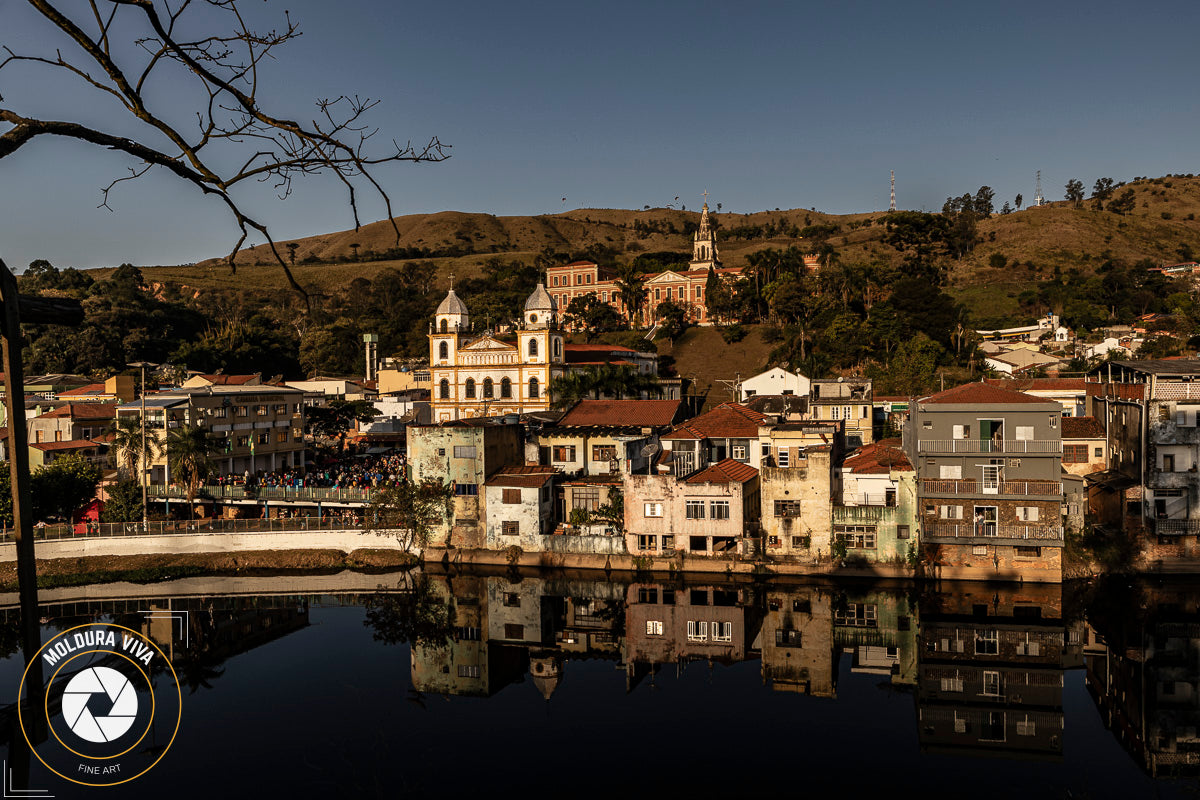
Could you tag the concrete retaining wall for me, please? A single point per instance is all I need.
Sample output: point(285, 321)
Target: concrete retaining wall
point(597, 545)
point(346, 540)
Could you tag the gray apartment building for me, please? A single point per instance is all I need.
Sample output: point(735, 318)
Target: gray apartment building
point(989, 483)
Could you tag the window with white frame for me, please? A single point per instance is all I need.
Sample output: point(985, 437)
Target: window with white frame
point(961, 432)
point(653, 510)
point(697, 631)
point(694, 509)
point(464, 451)
point(950, 472)
point(1027, 513)
point(722, 631)
point(719, 509)
point(1024, 432)
point(987, 642)
point(835, 412)
point(991, 683)
point(654, 627)
point(738, 452)
point(950, 512)
point(858, 615)
point(782, 456)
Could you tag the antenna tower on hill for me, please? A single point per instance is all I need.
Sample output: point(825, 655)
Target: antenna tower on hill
point(1037, 197)
point(892, 205)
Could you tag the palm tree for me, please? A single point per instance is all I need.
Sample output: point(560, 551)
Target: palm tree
point(126, 447)
point(189, 450)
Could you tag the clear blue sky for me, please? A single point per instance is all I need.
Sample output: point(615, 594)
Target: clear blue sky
point(625, 104)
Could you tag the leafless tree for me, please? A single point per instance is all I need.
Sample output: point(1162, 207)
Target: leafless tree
point(120, 48)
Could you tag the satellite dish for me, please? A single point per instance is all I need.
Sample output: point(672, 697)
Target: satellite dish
point(648, 452)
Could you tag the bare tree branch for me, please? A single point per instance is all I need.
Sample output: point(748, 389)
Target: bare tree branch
point(225, 67)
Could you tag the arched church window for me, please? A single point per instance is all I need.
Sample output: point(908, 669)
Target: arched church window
point(558, 348)
point(505, 387)
point(443, 351)
point(533, 348)
point(444, 389)
point(487, 388)
point(445, 326)
point(470, 390)
point(533, 388)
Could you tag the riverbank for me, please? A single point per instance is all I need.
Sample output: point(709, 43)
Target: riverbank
point(157, 567)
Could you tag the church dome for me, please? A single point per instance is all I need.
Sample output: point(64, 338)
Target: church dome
point(540, 300)
point(452, 305)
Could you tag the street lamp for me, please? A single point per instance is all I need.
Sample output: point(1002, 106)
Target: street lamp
point(142, 455)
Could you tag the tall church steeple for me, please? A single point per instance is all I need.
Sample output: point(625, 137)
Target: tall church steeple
point(704, 244)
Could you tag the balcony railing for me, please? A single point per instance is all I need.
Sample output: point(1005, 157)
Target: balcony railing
point(1018, 446)
point(1176, 527)
point(972, 486)
point(105, 530)
point(990, 530)
point(302, 494)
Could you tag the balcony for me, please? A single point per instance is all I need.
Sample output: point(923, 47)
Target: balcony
point(971, 486)
point(1176, 391)
point(1176, 527)
point(1014, 446)
point(989, 533)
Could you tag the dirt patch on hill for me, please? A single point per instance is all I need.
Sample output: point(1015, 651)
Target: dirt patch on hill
point(164, 567)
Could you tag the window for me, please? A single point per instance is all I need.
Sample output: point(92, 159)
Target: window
point(468, 670)
point(987, 642)
point(444, 389)
point(654, 627)
point(264, 438)
point(647, 595)
point(800, 542)
point(902, 532)
point(1168, 464)
point(950, 512)
point(1025, 432)
point(466, 489)
point(927, 425)
point(857, 537)
point(512, 631)
point(533, 388)
point(738, 452)
point(604, 452)
point(787, 508)
point(719, 509)
point(1053, 421)
point(260, 411)
point(533, 349)
point(243, 441)
point(647, 541)
point(505, 388)
point(1028, 648)
point(488, 388)
point(950, 472)
point(1028, 552)
point(652, 510)
point(464, 451)
point(787, 638)
point(586, 498)
point(782, 456)
point(858, 615)
point(722, 631)
point(834, 412)
point(1075, 454)
point(281, 437)
point(1099, 453)
point(1027, 513)
point(991, 683)
point(954, 684)
point(668, 543)
point(979, 550)
point(512, 600)
point(511, 496)
point(773, 541)
point(695, 509)
point(563, 453)
point(221, 412)
point(697, 631)
point(238, 411)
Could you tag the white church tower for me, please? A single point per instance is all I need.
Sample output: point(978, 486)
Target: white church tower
point(704, 245)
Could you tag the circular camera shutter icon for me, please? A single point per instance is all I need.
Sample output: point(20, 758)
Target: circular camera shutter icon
point(119, 691)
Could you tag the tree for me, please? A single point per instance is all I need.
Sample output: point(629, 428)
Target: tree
point(189, 453)
point(124, 502)
point(631, 286)
point(291, 248)
point(335, 420)
point(130, 450)
point(672, 319)
point(1101, 191)
point(1123, 203)
point(1018, 201)
point(911, 370)
point(1006, 208)
point(593, 315)
point(122, 48)
point(1074, 192)
point(984, 199)
point(57, 489)
point(410, 512)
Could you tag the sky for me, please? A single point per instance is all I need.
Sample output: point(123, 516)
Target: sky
point(624, 104)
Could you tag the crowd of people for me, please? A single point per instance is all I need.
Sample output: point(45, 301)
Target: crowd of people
point(355, 472)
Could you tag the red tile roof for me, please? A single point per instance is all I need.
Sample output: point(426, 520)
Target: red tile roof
point(82, 411)
point(1081, 428)
point(879, 458)
point(91, 388)
point(622, 413)
point(982, 394)
point(523, 477)
point(726, 421)
point(1039, 384)
point(72, 444)
point(727, 471)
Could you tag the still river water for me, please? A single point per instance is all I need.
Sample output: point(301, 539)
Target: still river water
point(447, 685)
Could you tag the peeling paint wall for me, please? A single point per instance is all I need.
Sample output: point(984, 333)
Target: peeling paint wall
point(802, 532)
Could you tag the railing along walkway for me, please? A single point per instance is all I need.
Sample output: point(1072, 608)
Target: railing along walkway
point(95, 530)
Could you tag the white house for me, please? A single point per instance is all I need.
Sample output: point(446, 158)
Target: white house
point(773, 381)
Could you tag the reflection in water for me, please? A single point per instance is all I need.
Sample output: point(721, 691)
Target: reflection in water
point(985, 666)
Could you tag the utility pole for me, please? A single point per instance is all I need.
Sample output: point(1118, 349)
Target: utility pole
point(142, 455)
point(892, 206)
